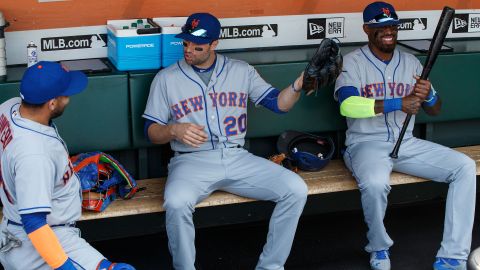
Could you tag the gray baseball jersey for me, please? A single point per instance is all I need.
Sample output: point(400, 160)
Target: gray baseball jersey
point(37, 176)
point(178, 95)
point(374, 79)
point(370, 140)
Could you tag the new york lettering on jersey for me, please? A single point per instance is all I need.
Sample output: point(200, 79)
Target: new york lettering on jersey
point(217, 99)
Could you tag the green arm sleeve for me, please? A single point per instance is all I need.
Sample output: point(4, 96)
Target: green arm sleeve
point(358, 107)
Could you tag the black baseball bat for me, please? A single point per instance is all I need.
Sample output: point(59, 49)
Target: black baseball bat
point(437, 42)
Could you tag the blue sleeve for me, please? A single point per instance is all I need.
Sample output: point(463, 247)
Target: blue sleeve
point(270, 101)
point(148, 123)
point(346, 92)
point(32, 222)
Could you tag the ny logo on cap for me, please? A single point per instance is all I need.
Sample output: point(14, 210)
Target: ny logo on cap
point(195, 23)
point(386, 11)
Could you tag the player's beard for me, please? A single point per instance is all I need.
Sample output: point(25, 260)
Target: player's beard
point(377, 41)
point(199, 60)
point(57, 113)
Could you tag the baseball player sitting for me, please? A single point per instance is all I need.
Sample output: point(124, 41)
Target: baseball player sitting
point(378, 87)
point(199, 105)
point(40, 193)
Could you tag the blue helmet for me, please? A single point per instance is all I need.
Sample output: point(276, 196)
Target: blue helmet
point(307, 151)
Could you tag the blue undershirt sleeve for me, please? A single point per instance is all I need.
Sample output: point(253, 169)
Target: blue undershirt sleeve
point(147, 124)
point(32, 222)
point(346, 92)
point(270, 101)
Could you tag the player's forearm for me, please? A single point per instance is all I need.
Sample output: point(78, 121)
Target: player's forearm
point(47, 245)
point(161, 134)
point(289, 96)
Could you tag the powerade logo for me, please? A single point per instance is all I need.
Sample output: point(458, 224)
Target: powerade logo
point(73, 42)
point(140, 46)
point(321, 28)
point(413, 24)
point(466, 23)
point(249, 31)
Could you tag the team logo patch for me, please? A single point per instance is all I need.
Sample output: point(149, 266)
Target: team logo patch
point(320, 28)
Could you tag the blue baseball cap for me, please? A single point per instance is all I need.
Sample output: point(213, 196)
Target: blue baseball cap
point(379, 14)
point(46, 80)
point(200, 28)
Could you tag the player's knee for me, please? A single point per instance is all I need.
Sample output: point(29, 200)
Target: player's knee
point(298, 190)
point(178, 203)
point(106, 264)
point(375, 188)
point(469, 165)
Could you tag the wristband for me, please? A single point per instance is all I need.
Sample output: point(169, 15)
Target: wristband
point(431, 99)
point(430, 102)
point(390, 105)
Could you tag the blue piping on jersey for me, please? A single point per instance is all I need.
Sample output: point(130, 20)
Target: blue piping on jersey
point(218, 119)
point(263, 95)
point(77, 264)
point(153, 118)
point(225, 59)
point(394, 71)
point(38, 207)
point(384, 89)
point(204, 99)
point(13, 121)
point(351, 163)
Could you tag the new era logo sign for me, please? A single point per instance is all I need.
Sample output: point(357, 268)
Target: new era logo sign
point(321, 28)
point(459, 23)
point(315, 29)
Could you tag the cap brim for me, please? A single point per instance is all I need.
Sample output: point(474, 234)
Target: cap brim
point(382, 24)
point(78, 82)
point(194, 39)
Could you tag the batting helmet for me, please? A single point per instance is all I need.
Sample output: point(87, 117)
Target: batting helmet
point(307, 151)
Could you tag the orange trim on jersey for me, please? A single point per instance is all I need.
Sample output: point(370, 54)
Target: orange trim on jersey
point(46, 243)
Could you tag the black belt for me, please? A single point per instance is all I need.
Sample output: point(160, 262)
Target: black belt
point(181, 153)
point(71, 224)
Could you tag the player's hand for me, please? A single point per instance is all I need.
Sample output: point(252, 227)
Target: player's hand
point(411, 104)
point(421, 88)
point(189, 134)
point(298, 83)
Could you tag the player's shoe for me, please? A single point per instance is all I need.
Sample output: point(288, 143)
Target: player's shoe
point(380, 260)
point(449, 264)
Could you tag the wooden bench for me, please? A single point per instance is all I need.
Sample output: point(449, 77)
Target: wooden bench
point(333, 178)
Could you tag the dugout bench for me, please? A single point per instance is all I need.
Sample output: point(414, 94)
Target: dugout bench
point(107, 117)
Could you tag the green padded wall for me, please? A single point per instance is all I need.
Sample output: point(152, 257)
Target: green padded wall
point(99, 117)
point(459, 86)
point(315, 113)
point(96, 119)
point(139, 89)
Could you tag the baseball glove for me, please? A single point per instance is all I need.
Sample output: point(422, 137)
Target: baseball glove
point(324, 67)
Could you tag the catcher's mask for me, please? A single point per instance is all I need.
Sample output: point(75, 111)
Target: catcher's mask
point(307, 151)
